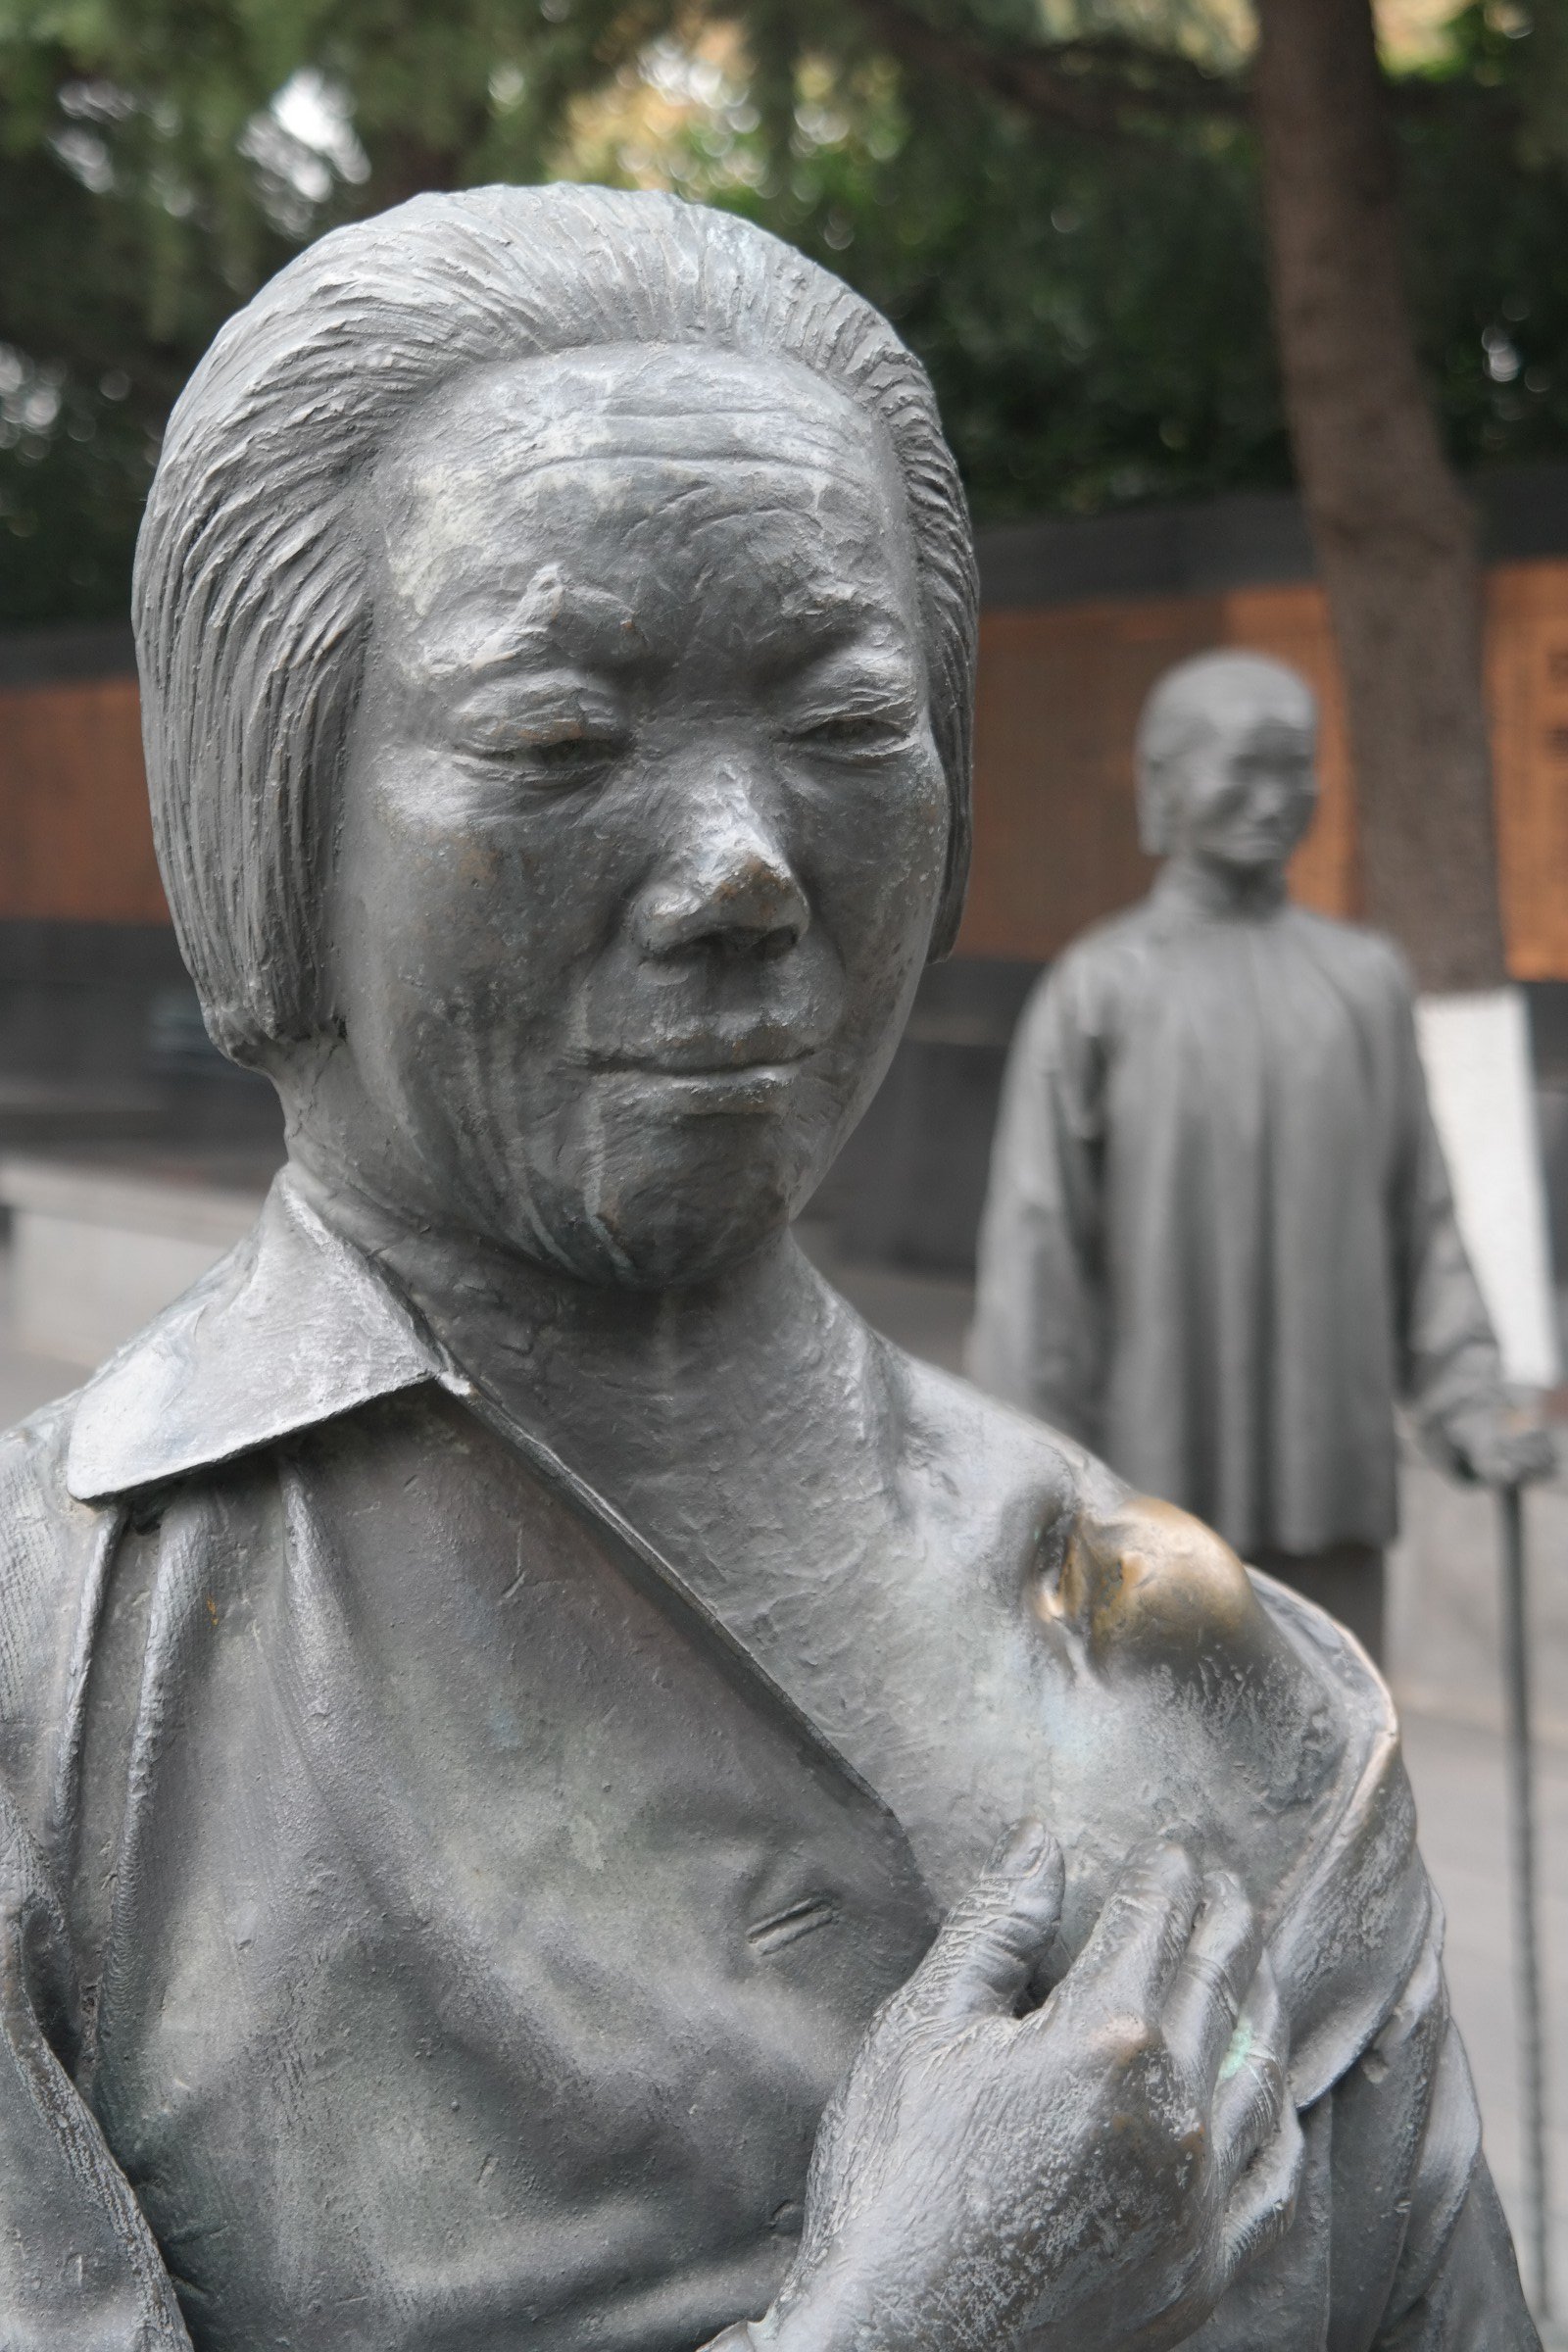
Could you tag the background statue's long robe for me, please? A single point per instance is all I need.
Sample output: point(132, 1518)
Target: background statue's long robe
point(1219, 1242)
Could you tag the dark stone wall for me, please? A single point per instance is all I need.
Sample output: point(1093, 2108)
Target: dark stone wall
point(1248, 539)
point(102, 1049)
point(76, 998)
point(908, 1185)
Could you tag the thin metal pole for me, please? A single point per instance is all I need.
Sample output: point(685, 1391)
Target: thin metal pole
point(1526, 1935)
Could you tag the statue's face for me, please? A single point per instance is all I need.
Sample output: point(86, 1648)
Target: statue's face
point(1243, 795)
point(643, 825)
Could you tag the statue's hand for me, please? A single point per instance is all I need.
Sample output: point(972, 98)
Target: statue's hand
point(1092, 2172)
point(1499, 1447)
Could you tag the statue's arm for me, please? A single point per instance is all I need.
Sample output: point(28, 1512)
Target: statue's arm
point(1450, 1370)
point(79, 2271)
point(1422, 2258)
point(1473, 2302)
point(1450, 1363)
point(1039, 1336)
point(1457, 2288)
point(1419, 2252)
point(1453, 1375)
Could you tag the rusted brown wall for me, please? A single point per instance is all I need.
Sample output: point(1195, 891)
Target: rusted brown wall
point(1055, 837)
point(1055, 843)
point(75, 839)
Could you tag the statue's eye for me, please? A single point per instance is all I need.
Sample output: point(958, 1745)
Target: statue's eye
point(568, 756)
point(850, 732)
point(552, 755)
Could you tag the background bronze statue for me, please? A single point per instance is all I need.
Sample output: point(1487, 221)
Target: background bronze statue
point(502, 1683)
point(1219, 1242)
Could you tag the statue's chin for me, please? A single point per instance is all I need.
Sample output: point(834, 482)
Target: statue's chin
point(678, 1255)
point(606, 1193)
point(655, 1239)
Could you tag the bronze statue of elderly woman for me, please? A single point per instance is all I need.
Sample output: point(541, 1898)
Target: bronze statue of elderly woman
point(558, 1790)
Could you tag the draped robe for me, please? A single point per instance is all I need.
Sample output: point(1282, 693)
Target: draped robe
point(425, 1927)
point(1219, 1241)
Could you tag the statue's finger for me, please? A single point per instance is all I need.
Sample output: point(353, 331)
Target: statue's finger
point(1263, 2204)
point(1252, 2094)
point(1213, 1977)
point(1138, 1941)
point(992, 1941)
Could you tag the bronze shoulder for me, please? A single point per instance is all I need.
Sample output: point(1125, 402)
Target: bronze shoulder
point(1147, 1582)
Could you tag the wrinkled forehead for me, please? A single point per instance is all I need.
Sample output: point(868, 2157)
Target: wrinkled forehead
point(625, 410)
point(596, 465)
point(675, 400)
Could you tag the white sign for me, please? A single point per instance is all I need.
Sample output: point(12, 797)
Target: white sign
point(1475, 1050)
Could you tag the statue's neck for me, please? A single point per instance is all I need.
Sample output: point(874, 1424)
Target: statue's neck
point(1204, 886)
point(643, 1393)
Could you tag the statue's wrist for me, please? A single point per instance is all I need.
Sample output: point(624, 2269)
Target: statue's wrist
point(820, 2314)
point(799, 2330)
point(807, 2317)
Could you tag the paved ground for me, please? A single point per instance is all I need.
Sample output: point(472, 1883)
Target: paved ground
point(1457, 1767)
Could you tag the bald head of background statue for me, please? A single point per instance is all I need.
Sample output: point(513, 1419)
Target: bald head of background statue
point(1226, 777)
point(556, 612)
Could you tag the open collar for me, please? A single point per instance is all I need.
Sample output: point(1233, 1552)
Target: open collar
point(292, 1327)
point(296, 1326)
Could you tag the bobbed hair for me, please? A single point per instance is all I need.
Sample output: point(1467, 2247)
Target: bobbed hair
point(1181, 713)
point(251, 591)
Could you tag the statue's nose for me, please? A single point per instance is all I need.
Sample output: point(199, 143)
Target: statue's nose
point(728, 887)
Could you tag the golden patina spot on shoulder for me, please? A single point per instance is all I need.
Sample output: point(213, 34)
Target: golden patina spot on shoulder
point(1147, 1577)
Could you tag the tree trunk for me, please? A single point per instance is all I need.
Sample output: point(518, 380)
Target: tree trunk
point(1394, 533)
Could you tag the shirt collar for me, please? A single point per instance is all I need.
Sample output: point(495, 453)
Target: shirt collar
point(292, 1327)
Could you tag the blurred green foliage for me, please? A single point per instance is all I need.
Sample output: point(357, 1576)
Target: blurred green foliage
point(1087, 286)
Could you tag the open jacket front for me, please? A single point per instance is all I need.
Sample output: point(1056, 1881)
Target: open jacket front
point(425, 1930)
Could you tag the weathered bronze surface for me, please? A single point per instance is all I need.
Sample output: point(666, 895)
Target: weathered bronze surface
point(501, 1684)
